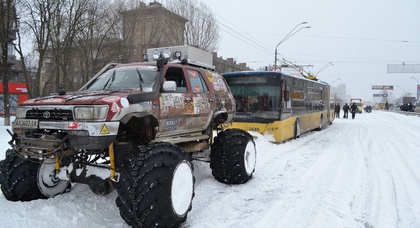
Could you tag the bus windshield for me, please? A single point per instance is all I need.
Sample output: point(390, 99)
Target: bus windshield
point(256, 101)
point(264, 96)
point(257, 97)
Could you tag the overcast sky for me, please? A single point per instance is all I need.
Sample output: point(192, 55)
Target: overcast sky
point(360, 37)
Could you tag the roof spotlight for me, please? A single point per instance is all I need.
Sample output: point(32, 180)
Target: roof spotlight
point(166, 54)
point(177, 55)
point(156, 54)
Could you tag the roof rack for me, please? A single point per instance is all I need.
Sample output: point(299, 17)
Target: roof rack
point(184, 54)
point(194, 63)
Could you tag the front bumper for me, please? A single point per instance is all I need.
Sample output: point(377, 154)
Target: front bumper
point(74, 135)
point(99, 129)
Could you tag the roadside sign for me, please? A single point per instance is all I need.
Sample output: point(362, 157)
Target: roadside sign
point(403, 68)
point(382, 87)
point(380, 95)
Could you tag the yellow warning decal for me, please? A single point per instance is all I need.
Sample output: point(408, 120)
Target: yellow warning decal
point(104, 130)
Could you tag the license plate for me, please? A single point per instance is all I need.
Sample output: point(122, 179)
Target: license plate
point(26, 123)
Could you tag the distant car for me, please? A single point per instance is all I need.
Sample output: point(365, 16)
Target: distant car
point(408, 107)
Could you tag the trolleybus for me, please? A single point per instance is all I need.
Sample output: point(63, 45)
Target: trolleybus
point(273, 103)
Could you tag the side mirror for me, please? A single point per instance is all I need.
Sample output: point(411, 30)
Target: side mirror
point(169, 86)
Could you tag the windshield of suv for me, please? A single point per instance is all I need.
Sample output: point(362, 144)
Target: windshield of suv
point(125, 78)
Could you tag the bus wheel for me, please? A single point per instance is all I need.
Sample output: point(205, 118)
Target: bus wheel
point(233, 157)
point(297, 129)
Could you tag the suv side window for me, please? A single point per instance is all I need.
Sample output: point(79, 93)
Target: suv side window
point(198, 84)
point(176, 74)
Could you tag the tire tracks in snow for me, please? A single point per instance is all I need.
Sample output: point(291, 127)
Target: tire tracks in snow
point(347, 175)
point(402, 173)
point(321, 185)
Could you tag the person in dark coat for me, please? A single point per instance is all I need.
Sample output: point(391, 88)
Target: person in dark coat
point(337, 110)
point(353, 110)
point(346, 111)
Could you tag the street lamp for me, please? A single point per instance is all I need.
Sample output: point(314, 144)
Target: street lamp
point(405, 93)
point(290, 34)
point(415, 79)
point(324, 67)
point(334, 80)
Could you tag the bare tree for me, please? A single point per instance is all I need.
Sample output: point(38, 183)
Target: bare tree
point(67, 22)
point(54, 25)
point(201, 29)
point(8, 14)
point(100, 41)
point(72, 38)
point(36, 16)
point(75, 38)
point(19, 50)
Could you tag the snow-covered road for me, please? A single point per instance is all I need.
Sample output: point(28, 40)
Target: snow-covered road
point(355, 173)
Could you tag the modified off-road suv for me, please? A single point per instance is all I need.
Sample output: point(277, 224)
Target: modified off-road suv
point(135, 128)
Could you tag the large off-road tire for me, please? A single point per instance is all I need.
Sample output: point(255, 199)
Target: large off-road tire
point(19, 178)
point(1, 167)
point(233, 156)
point(26, 180)
point(157, 188)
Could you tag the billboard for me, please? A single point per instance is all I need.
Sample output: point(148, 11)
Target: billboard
point(17, 92)
point(380, 95)
point(382, 87)
point(403, 68)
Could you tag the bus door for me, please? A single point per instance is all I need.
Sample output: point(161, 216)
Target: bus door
point(285, 102)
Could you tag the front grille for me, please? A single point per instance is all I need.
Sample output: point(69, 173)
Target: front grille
point(56, 114)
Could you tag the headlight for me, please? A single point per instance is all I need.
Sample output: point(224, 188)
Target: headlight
point(94, 113)
point(20, 112)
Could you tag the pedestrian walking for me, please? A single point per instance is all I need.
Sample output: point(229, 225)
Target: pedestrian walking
point(353, 110)
point(337, 110)
point(346, 111)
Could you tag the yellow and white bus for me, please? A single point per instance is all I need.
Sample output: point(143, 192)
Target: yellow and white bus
point(273, 103)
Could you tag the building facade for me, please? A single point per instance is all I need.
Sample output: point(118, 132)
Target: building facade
point(228, 65)
point(151, 26)
point(144, 27)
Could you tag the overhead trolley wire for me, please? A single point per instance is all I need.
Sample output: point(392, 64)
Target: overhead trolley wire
point(252, 41)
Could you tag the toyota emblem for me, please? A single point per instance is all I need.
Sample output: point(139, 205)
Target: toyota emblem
point(46, 114)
